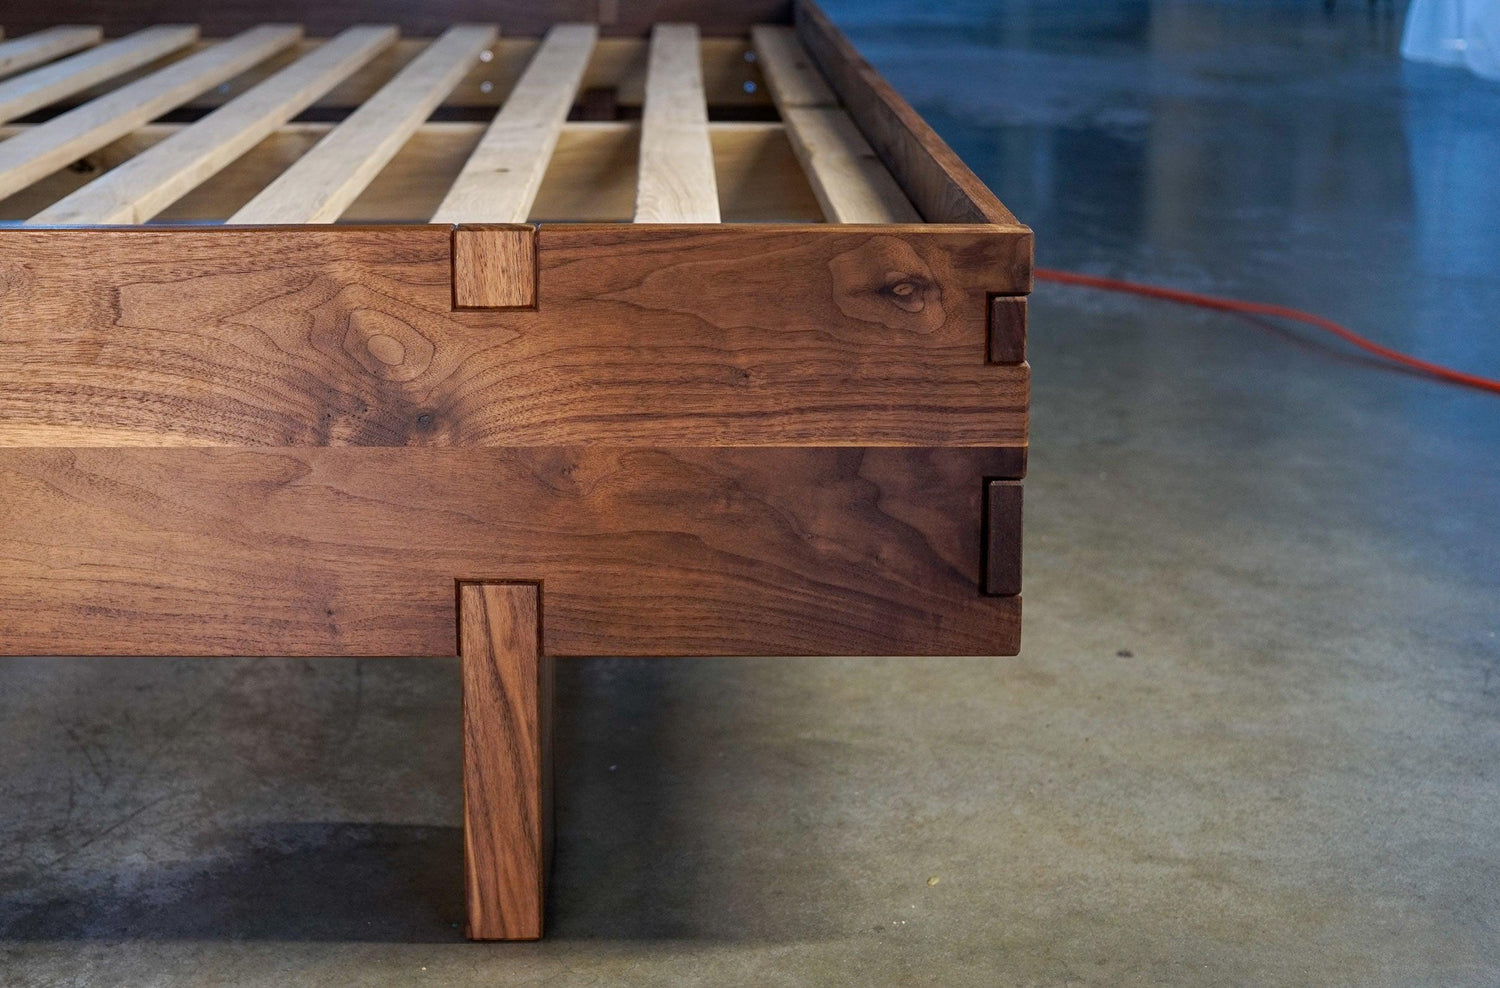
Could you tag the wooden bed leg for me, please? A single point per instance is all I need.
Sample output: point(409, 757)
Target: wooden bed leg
point(507, 695)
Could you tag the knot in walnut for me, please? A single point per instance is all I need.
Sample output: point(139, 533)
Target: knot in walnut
point(886, 281)
point(386, 349)
point(386, 346)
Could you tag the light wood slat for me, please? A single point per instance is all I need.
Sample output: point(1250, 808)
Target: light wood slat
point(851, 183)
point(849, 179)
point(499, 182)
point(323, 183)
point(43, 46)
point(789, 71)
point(676, 183)
point(44, 86)
point(148, 183)
point(63, 139)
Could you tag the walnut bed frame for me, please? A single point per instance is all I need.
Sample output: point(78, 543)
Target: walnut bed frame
point(703, 344)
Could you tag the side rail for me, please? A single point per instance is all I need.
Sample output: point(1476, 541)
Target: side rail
point(711, 440)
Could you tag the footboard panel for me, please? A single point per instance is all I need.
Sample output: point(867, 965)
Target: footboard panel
point(348, 551)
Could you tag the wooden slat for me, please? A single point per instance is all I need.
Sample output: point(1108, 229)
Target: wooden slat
point(790, 72)
point(851, 183)
point(46, 85)
point(499, 182)
point(642, 550)
point(323, 183)
point(146, 184)
point(506, 691)
point(29, 156)
point(43, 46)
point(676, 183)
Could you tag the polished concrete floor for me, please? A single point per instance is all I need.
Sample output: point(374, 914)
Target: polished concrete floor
point(1253, 737)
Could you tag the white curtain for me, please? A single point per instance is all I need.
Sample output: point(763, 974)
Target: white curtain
point(1462, 33)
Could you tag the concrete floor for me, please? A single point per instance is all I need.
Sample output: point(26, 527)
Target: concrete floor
point(1253, 738)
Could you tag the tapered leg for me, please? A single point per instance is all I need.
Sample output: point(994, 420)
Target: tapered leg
point(507, 765)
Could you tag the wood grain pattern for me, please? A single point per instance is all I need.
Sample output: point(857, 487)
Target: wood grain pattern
point(685, 551)
point(676, 182)
point(45, 86)
point(494, 267)
point(938, 182)
point(1008, 329)
point(43, 46)
point(703, 335)
point(500, 180)
point(145, 185)
point(507, 777)
point(63, 139)
point(517, 17)
point(323, 182)
point(1002, 525)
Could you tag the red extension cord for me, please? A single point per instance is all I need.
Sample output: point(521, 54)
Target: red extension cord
point(1280, 311)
